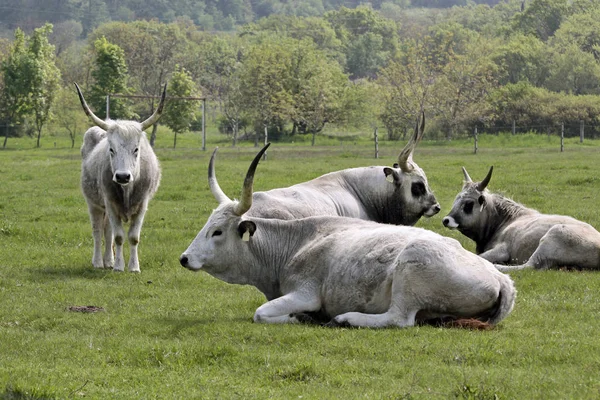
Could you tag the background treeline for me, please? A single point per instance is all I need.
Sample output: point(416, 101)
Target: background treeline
point(533, 65)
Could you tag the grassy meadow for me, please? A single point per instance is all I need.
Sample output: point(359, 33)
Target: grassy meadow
point(169, 333)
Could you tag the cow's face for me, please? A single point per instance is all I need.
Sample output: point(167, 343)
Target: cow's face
point(412, 193)
point(124, 143)
point(218, 248)
point(468, 211)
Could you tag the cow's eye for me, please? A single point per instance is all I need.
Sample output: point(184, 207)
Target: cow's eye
point(217, 233)
point(417, 189)
point(136, 151)
point(112, 152)
point(468, 207)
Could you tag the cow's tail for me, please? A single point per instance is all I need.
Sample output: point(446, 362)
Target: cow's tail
point(505, 301)
point(90, 140)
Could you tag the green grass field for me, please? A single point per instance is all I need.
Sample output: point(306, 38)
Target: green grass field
point(168, 333)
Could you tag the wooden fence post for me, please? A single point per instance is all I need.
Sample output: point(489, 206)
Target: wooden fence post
point(514, 127)
point(376, 144)
point(266, 140)
point(562, 137)
point(475, 135)
point(581, 128)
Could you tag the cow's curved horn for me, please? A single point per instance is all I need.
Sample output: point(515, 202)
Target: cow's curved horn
point(212, 181)
point(405, 155)
point(466, 174)
point(157, 113)
point(102, 124)
point(483, 184)
point(246, 199)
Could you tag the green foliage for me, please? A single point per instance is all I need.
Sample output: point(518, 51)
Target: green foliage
point(179, 114)
point(110, 77)
point(45, 77)
point(368, 38)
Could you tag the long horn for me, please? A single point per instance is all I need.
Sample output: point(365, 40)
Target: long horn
point(102, 124)
point(212, 181)
point(157, 113)
point(406, 154)
point(483, 184)
point(466, 174)
point(246, 199)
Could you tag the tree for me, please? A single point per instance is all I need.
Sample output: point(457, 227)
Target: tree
point(458, 96)
point(405, 87)
point(69, 114)
point(541, 18)
point(263, 88)
point(368, 38)
point(179, 114)
point(317, 87)
point(14, 102)
point(110, 77)
point(44, 77)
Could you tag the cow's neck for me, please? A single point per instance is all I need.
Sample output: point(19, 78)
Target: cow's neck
point(372, 191)
point(273, 248)
point(501, 212)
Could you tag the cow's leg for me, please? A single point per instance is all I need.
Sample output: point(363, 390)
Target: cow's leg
point(109, 258)
point(279, 311)
point(134, 238)
point(97, 220)
point(497, 255)
point(118, 234)
point(396, 316)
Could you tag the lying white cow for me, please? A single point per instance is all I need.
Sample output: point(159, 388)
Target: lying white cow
point(399, 195)
point(507, 232)
point(355, 272)
point(119, 175)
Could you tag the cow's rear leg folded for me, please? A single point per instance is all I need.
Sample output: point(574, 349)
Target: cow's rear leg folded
point(395, 318)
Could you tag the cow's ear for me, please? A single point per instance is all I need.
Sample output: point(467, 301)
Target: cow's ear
point(246, 229)
point(481, 201)
point(391, 175)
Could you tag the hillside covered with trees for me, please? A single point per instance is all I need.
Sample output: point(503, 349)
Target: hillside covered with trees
point(532, 64)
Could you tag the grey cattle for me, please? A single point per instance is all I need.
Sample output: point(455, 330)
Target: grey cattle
point(119, 175)
point(507, 232)
point(359, 273)
point(399, 195)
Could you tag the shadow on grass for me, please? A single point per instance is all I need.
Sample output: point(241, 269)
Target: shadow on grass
point(11, 393)
point(43, 274)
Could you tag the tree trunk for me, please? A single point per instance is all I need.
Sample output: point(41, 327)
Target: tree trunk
point(313, 138)
point(175, 140)
point(38, 138)
point(153, 135)
point(235, 133)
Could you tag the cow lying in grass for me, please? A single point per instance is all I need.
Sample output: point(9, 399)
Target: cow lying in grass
point(354, 272)
point(398, 195)
point(507, 232)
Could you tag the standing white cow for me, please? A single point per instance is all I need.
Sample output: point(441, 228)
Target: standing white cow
point(399, 195)
point(355, 272)
point(507, 232)
point(119, 175)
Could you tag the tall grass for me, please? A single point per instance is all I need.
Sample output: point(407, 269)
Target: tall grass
point(170, 333)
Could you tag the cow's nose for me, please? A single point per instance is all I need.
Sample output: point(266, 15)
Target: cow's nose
point(122, 177)
point(184, 261)
point(446, 221)
point(437, 208)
